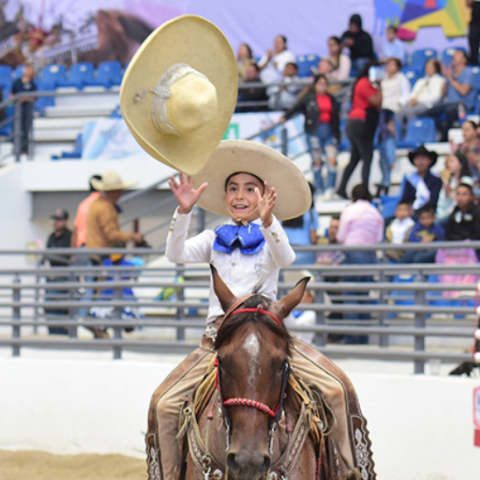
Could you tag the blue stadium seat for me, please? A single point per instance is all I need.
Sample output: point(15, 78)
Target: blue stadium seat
point(412, 75)
point(79, 75)
point(53, 75)
point(305, 63)
point(448, 54)
point(108, 75)
point(75, 154)
point(6, 77)
point(419, 131)
point(476, 74)
point(420, 57)
point(388, 204)
point(44, 102)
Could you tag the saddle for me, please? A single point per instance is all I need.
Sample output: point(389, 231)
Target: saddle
point(314, 419)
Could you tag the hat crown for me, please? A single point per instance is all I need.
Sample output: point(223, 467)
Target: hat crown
point(111, 179)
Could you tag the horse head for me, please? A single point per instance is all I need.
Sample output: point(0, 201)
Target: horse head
point(253, 348)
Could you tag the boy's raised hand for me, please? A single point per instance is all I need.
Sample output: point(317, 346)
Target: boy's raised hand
point(266, 204)
point(184, 192)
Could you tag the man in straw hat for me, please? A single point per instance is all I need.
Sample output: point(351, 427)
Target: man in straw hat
point(249, 183)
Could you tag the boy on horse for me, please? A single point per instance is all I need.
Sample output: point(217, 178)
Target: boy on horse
point(253, 185)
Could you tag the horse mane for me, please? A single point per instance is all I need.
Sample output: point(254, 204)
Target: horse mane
point(232, 323)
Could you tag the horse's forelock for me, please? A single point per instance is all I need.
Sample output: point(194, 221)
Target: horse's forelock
point(233, 322)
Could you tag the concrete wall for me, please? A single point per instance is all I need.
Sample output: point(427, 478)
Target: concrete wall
point(421, 427)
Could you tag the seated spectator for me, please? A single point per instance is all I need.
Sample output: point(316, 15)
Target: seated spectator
point(427, 92)
point(395, 89)
point(360, 224)
point(421, 187)
point(459, 95)
point(281, 97)
point(252, 93)
point(456, 167)
point(331, 257)
point(244, 59)
point(393, 47)
point(302, 231)
point(359, 42)
point(273, 63)
point(424, 231)
point(470, 147)
point(399, 229)
point(340, 62)
point(321, 112)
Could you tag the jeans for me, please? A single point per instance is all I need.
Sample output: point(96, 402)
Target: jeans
point(445, 116)
point(316, 146)
point(359, 64)
point(358, 258)
point(422, 256)
point(51, 295)
point(387, 158)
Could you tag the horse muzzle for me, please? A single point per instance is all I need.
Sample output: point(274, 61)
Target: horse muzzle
point(248, 465)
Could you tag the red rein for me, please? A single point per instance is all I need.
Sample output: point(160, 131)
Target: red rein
point(247, 402)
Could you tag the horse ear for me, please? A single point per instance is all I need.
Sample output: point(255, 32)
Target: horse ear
point(226, 297)
point(284, 306)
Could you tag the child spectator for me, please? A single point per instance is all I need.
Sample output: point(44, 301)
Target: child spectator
point(393, 47)
point(397, 232)
point(424, 231)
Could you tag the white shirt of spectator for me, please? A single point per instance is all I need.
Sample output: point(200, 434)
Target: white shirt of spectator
point(428, 90)
point(243, 274)
point(395, 91)
point(307, 319)
point(400, 228)
point(278, 61)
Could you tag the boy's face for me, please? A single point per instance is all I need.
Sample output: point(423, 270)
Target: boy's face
point(290, 70)
point(240, 198)
point(423, 163)
point(403, 211)
point(391, 34)
point(464, 197)
point(426, 219)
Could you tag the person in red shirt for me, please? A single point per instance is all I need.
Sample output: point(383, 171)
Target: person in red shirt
point(361, 125)
point(321, 112)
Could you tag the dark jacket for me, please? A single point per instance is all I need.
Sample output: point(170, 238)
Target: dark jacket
point(307, 104)
point(433, 183)
point(362, 46)
point(463, 225)
point(63, 240)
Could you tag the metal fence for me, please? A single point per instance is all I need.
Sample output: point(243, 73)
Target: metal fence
point(417, 309)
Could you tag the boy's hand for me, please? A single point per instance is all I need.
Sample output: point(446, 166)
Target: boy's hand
point(266, 204)
point(185, 194)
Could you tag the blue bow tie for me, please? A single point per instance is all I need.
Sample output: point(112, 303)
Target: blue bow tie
point(248, 238)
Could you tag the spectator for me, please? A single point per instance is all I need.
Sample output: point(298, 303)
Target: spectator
point(360, 224)
point(422, 187)
point(470, 147)
point(272, 64)
point(361, 125)
point(103, 229)
point(395, 89)
point(60, 238)
point(459, 95)
point(248, 93)
point(331, 257)
point(424, 231)
point(321, 112)
point(456, 167)
point(302, 231)
point(393, 47)
point(464, 221)
point(284, 96)
point(398, 231)
point(79, 235)
point(341, 63)
point(244, 59)
point(25, 84)
point(359, 42)
point(427, 92)
point(474, 31)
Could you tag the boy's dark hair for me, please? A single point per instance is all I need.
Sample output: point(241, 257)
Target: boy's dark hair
point(404, 202)
point(426, 209)
point(238, 173)
point(360, 192)
point(335, 217)
point(294, 64)
point(393, 28)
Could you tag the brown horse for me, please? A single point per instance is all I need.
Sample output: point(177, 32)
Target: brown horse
point(252, 428)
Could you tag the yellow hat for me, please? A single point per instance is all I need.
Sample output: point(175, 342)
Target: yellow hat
point(179, 92)
point(241, 156)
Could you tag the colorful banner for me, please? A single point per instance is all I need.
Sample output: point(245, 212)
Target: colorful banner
point(68, 31)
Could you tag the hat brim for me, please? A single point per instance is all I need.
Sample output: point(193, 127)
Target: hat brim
point(432, 155)
point(98, 185)
point(232, 156)
point(197, 42)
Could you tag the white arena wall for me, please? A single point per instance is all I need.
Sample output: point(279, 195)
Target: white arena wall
point(421, 426)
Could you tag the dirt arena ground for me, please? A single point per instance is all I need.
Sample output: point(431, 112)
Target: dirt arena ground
point(32, 465)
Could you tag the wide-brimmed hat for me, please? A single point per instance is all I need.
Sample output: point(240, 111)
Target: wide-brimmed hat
point(179, 92)
point(111, 181)
point(241, 156)
point(421, 150)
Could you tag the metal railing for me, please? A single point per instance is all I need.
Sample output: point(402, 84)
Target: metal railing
point(417, 310)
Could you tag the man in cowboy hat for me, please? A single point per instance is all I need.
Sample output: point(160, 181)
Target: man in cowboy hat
point(103, 229)
point(249, 183)
point(422, 187)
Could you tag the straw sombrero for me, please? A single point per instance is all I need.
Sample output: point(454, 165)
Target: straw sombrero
point(111, 181)
point(240, 156)
point(179, 92)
